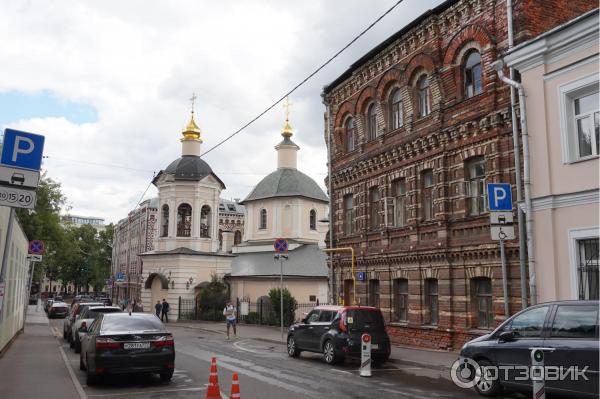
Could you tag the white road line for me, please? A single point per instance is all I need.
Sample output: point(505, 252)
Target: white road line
point(236, 344)
point(341, 371)
point(78, 386)
point(106, 395)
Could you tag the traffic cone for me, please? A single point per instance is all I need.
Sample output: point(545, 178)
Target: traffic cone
point(235, 387)
point(213, 391)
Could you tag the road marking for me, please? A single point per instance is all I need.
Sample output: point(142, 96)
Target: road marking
point(106, 395)
point(237, 345)
point(78, 386)
point(341, 371)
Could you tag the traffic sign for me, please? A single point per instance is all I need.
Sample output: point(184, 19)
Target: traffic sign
point(36, 247)
point(361, 276)
point(499, 197)
point(17, 197)
point(365, 356)
point(280, 245)
point(120, 276)
point(22, 149)
point(34, 258)
point(502, 232)
point(501, 217)
point(19, 177)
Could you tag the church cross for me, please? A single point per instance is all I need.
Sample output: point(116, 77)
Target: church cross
point(287, 104)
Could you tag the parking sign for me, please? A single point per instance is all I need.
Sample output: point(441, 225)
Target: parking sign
point(22, 150)
point(499, 197)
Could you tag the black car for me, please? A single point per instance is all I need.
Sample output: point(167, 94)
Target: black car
point(569, 329)
point(58, 309)
point(336, 332)
point(123, 343)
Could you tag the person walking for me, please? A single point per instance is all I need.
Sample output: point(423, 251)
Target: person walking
point(158, 308)
point(165, 310)
point(229, 313)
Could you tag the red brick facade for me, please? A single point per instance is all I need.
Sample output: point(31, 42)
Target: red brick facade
point(417, 225)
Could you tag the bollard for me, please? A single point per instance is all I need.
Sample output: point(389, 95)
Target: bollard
point(365, 356)
point(537, 372)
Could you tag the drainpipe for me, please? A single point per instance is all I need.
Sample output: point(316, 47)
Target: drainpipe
point(517, 155)
point(498, 66)
point(331, 274)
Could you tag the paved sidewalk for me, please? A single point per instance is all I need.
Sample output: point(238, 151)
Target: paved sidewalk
point(33, 366)
point(429, 359)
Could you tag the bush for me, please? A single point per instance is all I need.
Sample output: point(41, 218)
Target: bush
point(213, 300)
point(289, 307)
point(252, 318)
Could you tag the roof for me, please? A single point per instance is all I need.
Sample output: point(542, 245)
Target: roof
point(227, 206)
point(286, 182)
point(305, 261)
point(184, 251)
point(189, 167)
point(375, 50)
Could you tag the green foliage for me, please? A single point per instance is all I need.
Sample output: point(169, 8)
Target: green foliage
point(213, 300)
point(289, 307)
point(252, 318)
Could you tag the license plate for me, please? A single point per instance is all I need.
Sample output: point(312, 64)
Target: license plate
point(136, 345)
point(374, 346)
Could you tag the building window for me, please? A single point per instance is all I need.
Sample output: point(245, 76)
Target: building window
point(400, 299)
point(184, 220)
point(349, 134)
point(396, 115)
point(587, 125)
point(423, 94)
point(374, 205)
point(371, 122)
point(482, 297)
point(164, 228)
point(313, 219)
point(397, 212)
point(374, 293)
point(205, 217)
point(587, 268)
point(475, 186)
point(427, 195)
point(348, 214)
point(431, 301)
point(263, 219)
point(472, 71)
point(237, 237)
point(580, 119)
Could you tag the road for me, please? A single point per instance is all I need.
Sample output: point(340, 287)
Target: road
point(265, 371)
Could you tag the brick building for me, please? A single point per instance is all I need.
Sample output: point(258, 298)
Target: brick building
point(418, 126)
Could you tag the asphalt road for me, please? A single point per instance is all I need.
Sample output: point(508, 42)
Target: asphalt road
point(265, 372)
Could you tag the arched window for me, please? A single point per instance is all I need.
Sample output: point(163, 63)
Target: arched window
point(205, 217)
point(396, 115)
point(263, 219)
point(349, 134)
point(423, 96)
point(472, 71)
point(164, 227)
point(371, 122)
point(184, 220)
point(313, 219)
point(237, 237)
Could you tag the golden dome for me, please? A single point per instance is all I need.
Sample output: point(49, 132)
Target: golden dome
point(287, 129)
point(192, 131)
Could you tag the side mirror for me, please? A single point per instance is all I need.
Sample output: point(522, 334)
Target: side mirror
point(506, 336)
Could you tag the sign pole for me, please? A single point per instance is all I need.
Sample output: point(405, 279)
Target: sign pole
point(4, 266)
point(281, 294)
point(28, 292)
point(504, 275)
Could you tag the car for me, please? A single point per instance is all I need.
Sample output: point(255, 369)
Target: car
point(48, 304)
point(569, 329)
point(58, 309)
point(336, 332)
point(124, 343)
point(76, 309)
point(85, 318)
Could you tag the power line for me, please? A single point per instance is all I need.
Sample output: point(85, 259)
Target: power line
point(305, 79)
point(99, 164)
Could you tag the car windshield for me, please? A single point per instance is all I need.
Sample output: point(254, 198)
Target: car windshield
point(92, 313)
point(364, 319)
point(132, 323)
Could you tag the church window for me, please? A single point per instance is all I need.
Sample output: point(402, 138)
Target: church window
point(313, 219)
point(184, 220)
point(205, 216)
point(165, 221)
point(263, 219)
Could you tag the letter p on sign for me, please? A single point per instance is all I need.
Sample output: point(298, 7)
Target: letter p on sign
point(22, 150)
point(499, 197)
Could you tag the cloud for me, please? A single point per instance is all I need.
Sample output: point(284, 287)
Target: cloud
point(137, 63)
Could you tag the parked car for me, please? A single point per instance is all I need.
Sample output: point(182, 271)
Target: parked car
point(569, 328)
point(336, 332)
point(85, 318)
point(76, 309)
point(58, 309)
point(48, 304)
point(122, 343)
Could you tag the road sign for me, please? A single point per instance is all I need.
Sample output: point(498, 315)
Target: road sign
point(36, 247)
point(360, 276)
point(19, 177)
point(17, 197)
point(34, 258)
point(120, 276)
point(499, 197)
point(22, 150)
point(501, 218)
point(502, 232)
point(280, 245)
point(365, 356)
point(109, 283)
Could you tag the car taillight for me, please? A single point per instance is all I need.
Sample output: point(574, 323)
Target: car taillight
point(343, 327)
point(166, 340)
point(107, 343)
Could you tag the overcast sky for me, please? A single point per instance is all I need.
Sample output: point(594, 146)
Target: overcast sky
point(108, 83)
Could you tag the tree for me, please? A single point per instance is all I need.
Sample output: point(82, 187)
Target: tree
point(213, 299)
point(289, 306)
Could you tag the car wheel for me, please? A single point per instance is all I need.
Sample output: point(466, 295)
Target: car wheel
point(166, 375)
point(90, 378)
point(81, 365)
point(486, 386)
point(329, 354)
point(292, 348)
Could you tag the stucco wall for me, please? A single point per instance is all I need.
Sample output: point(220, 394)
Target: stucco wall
point(301, 290)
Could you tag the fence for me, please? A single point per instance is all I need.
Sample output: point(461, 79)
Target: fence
point(189, 309)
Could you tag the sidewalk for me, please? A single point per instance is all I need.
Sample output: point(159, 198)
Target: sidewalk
point(425, 358)
point(33, 365)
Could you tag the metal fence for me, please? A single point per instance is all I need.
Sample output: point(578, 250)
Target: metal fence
point(189, 309)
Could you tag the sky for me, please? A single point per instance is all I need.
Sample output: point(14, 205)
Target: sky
point(108, 83)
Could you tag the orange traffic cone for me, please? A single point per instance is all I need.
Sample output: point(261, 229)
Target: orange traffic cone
point(235, 387)
point(213, 391)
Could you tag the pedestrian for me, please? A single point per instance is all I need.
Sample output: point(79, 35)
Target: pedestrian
point(158, 309)
point(165, 310)
point(229, 313)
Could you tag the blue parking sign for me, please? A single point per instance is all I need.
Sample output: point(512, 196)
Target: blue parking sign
point(499, 196)
point(360, 276)
point(22, 150)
